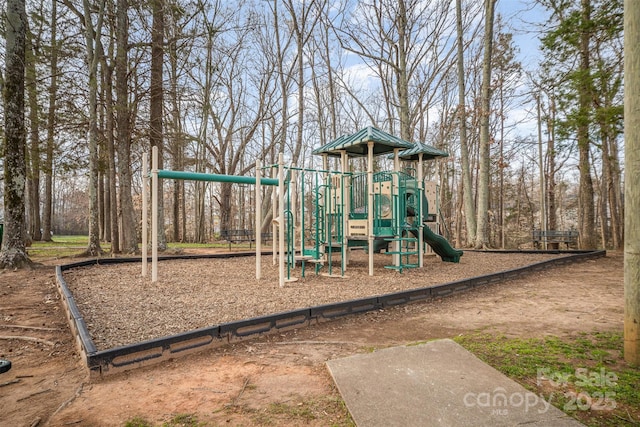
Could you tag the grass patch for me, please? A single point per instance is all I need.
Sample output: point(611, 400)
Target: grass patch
point(179, 420)
point(329, 411)
point(138, 422)
point(303, 411)
point(70, 246)
point(584, 375)
point(332, 410)
point(183, 420)
point(183, 245)
point(61, 247)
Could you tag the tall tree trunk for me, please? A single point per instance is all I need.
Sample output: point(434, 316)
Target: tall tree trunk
point(156, 105)
point(469, 206)
point(614, 196)
point(177, 140)
point(501, 167)
point(129, 242)
point(401, 73)
point(33, 179)
point(586, 209)
point(13, 252)
point(226, 206)
point(606, 180)
point(541, 168)
point(552, 217)
point(114, 228)
point(632, 182)
point(284, 78)
point(47, 215)
point(482, 239)
point(92, 39)
point(103, 161)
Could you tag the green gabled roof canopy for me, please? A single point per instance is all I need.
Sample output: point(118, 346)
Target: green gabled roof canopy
point(428, 152)
point(356, 144)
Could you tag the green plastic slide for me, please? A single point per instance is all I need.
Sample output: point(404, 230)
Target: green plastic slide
point(440, 245)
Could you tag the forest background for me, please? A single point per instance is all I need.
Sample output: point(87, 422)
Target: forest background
point(215, 85)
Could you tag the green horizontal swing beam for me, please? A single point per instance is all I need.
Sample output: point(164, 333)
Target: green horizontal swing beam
point(214, 177)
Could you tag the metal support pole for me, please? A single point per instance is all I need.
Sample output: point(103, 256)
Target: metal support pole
point(154, 214)
point(281, 190)
point(258, 219)
point(395, 191)
point(145, 213)
point(420, 213)
point(274, 227)
point(370, 203)
point(344, 196)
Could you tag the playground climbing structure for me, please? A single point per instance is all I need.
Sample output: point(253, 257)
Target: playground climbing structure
point(322, 213)
point(335, 211)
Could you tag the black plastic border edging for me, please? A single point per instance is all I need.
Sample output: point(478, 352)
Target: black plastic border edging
point(134, 355)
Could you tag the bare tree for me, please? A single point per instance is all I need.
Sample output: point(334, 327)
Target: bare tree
point(482, 239)
point(303, 21)
point(51, 123)
point(93, 32)
point(465, 183)
point(111, 226)
point(129, 242)
point(156, 93)
point(33, 172)
point(395, 38)
point(507, 73)
point(13, 253)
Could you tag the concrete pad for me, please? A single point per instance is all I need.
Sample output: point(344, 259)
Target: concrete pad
point(437, 383)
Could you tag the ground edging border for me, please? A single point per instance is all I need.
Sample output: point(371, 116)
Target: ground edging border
point(106, 362)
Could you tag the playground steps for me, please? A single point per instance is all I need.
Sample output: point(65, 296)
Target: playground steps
point(403, 252)
point(311, 256)
point(400, 267)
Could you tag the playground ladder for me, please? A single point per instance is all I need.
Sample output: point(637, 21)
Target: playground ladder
point(404, 252)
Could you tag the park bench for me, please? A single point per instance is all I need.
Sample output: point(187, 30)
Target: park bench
point(242, 236)
point(554, 237)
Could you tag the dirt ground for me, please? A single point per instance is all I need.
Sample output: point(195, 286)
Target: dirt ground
point(274, 380)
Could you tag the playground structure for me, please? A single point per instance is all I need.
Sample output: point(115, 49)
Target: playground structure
point(322, 213)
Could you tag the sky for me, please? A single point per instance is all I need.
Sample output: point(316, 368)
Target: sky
point(524, 16)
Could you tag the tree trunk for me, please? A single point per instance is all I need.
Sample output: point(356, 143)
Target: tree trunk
point(617, 229)
point(47, 215)
point(552, 217)
point(13, 253)
point(92, 39)
point(129, 230)
point(586, 209)
point(541, 168)
point(401, 73)
point(482, 239)
point(467, 193)
point(632, 182)
point(605, 182)
point(156, 104)
point(114, 228)
point(33, 180)
point(177, 140)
